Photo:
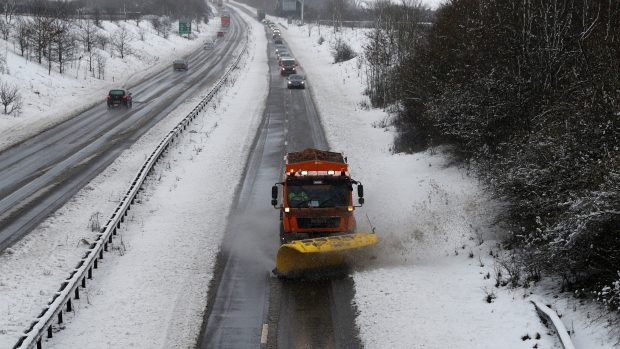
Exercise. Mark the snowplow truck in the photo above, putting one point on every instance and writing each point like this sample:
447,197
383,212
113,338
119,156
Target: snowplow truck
317,224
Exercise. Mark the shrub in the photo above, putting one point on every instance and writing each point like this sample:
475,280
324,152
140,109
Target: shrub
342,52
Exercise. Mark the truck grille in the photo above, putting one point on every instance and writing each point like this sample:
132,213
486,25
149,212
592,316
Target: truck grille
318,222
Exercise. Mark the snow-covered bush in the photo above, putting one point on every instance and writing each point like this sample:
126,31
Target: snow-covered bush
342,52
541,129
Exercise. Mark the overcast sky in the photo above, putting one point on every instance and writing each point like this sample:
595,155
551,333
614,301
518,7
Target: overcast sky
433,3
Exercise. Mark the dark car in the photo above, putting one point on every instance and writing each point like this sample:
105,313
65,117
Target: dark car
288,66
296,81
180,64
119,97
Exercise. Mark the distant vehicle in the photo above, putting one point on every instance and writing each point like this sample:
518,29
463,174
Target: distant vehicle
282,57
276,35
220,33
288,66
277,40
119,97
282,53
225,19
279,47
260,15
296,81
180,64
209,45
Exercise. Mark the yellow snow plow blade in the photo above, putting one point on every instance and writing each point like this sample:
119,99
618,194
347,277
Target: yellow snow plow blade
319,253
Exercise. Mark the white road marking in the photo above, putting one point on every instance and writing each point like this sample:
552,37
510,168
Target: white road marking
263,336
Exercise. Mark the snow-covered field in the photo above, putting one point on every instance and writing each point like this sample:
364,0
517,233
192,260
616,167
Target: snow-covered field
423,290
49,99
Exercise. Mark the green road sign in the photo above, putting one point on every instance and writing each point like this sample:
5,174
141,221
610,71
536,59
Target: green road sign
185,27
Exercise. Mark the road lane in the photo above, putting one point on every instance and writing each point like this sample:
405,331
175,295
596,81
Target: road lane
246,303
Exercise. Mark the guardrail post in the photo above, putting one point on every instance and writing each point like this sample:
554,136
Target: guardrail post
49,332
69,305
90,273
39,344
77,291
83,283
95,263
60,317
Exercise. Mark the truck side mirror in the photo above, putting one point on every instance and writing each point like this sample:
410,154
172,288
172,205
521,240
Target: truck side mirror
274,195
360,194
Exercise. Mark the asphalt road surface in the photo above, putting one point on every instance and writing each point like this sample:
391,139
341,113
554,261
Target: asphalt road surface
248,307
39,175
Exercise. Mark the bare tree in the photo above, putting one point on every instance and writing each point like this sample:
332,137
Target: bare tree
97,16
166,26
142,33
101,60
102,40
88,35
8,9
137,17
22,34
120,41
64,43
5,29
41,34
156,24
10,98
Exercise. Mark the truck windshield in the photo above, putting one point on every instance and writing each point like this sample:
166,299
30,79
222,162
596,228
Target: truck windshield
317,195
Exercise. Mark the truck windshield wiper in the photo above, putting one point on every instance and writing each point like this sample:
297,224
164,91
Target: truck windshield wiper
333,198
302,204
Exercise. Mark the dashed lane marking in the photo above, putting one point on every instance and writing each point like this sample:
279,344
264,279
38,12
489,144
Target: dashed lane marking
263,336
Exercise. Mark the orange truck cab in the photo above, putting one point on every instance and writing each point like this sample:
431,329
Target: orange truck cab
317,196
